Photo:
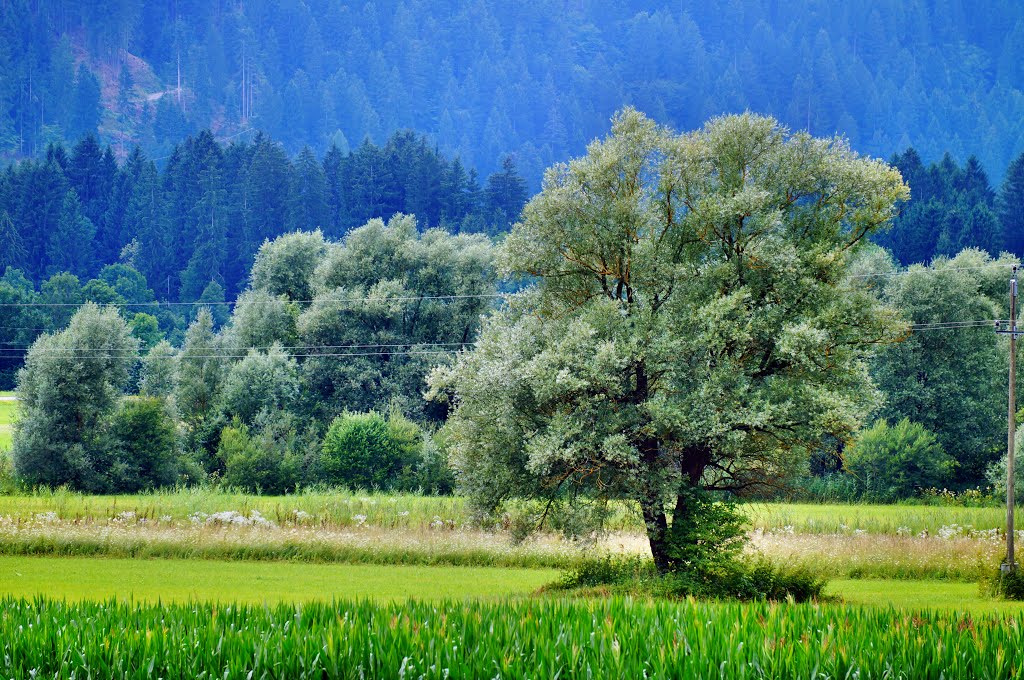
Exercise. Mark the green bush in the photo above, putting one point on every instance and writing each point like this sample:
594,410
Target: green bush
1006,585
740,579
365,450
257,463
895,462
141,447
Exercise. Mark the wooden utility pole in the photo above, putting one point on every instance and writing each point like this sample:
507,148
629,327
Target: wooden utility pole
1011,424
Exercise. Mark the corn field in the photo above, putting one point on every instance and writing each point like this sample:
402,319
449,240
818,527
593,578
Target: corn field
538,638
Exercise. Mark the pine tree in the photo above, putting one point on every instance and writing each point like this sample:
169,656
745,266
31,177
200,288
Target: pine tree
70,247
1011,206
210,249
85,107
335,165
506,195
308,209
12,249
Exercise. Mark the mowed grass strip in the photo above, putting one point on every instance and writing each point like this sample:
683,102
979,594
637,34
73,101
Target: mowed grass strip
252,582
78,579
914,595
536,638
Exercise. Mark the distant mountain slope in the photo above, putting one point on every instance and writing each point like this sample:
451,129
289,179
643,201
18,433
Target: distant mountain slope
538,78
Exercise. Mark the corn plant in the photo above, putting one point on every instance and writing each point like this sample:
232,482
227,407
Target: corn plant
543,638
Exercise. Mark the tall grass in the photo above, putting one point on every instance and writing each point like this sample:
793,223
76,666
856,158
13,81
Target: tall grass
340,508
810,518
519,639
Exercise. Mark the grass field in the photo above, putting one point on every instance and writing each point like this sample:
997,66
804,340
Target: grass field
371,585
809,518
915,595
160,580
532,638
255,582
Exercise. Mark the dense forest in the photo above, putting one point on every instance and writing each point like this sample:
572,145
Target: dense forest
202,218
539,79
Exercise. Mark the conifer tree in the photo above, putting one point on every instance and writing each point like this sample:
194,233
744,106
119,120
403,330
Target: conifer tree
70,247
1011,206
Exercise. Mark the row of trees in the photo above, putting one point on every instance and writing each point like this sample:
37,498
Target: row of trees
948,380
934,75
203,217
324,328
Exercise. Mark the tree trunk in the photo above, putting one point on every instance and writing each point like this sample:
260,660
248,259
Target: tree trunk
652,505
661,536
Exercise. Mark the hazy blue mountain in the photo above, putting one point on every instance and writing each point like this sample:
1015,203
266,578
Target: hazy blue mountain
538,78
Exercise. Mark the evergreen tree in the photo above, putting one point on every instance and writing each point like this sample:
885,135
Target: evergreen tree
267,186
12,249
85,108
335,166
308,209
506,195
1011,206
210,249
69,248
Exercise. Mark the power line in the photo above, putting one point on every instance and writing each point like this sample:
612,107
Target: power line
275,301
924,270
111,355
14,346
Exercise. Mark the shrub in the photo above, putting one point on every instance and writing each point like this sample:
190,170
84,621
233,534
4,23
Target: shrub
996,473
365,450
142,446
1006,585
894,462
257,463
741,579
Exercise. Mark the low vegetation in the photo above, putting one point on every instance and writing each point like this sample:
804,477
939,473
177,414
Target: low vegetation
601,638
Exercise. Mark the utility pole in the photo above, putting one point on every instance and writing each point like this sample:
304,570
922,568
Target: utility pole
1010,564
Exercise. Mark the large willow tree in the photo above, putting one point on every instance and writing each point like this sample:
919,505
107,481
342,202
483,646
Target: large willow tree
692,326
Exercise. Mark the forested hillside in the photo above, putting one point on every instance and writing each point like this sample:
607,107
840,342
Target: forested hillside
485,78
202,217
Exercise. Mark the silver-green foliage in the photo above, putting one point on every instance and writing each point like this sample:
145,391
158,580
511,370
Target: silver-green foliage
70,385
285,265
692,323
262,381
199,379
159,371
390,303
